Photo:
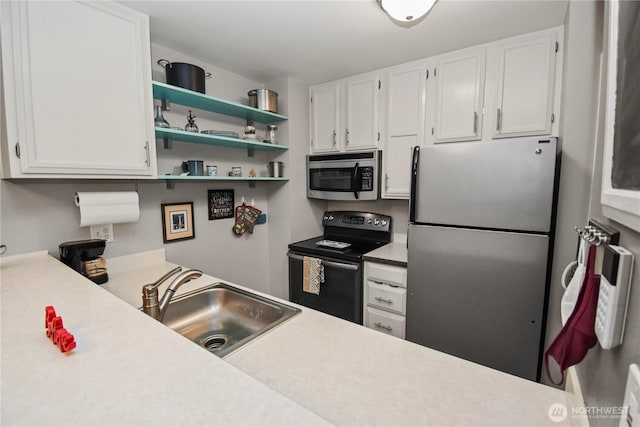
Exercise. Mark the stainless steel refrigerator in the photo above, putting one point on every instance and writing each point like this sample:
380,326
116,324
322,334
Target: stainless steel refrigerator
479,240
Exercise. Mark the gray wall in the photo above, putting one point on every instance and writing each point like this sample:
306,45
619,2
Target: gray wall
603,373
577,130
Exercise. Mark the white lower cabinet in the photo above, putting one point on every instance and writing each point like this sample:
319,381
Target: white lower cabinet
385,322
385,297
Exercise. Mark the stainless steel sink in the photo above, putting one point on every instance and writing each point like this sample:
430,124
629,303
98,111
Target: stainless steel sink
222,318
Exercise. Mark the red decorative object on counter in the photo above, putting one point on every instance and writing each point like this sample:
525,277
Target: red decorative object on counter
56,332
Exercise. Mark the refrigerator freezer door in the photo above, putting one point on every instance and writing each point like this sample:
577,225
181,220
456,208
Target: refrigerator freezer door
478,295
505,184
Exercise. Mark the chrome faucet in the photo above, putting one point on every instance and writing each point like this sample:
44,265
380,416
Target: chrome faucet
150,303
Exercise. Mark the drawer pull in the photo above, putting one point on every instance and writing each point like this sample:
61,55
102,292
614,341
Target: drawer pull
388,301
381,326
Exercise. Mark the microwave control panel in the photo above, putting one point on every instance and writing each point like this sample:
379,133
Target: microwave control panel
366,178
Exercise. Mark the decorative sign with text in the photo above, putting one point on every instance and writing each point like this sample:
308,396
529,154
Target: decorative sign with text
221,204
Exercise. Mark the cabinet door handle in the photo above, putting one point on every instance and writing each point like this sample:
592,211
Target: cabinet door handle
346,136
381,326
386,183
388,301
334,138
499,121
475,122
146,148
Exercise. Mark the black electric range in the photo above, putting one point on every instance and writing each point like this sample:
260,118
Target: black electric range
348,235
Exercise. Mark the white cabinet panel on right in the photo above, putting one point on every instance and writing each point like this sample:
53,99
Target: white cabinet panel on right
522,77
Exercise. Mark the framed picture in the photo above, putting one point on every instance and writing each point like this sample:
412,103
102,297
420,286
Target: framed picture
221,204
177,221
620,196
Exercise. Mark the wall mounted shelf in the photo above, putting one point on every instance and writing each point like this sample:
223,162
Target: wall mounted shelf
198,100
170,135
172,179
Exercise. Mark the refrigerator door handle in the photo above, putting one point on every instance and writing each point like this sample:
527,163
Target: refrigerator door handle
414,182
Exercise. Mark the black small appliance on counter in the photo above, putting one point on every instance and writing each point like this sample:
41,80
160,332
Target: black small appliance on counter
84,257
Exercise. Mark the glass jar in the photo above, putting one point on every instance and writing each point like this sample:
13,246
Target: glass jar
160,121
272,134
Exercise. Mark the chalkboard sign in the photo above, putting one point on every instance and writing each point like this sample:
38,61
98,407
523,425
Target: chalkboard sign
221,204
625,172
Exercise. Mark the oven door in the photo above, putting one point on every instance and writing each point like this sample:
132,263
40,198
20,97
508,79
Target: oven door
340,294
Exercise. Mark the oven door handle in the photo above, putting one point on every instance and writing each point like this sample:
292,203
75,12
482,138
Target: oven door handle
332,264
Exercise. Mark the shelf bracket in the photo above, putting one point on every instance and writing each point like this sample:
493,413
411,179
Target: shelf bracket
166,105
168,143
251,152
252,184
171,185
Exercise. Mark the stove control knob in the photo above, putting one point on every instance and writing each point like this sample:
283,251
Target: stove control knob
376,222
384,222
330,217
325,218
370,221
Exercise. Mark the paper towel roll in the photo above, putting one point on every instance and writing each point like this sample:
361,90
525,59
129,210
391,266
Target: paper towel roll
108,207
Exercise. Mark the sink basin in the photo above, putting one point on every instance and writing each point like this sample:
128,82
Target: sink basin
222,318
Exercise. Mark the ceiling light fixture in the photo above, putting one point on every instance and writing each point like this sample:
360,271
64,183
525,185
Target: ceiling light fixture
406,10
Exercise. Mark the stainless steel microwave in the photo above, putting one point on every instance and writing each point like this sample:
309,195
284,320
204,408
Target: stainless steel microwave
345,176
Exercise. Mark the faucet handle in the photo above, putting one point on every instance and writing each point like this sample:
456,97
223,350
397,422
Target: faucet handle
154,285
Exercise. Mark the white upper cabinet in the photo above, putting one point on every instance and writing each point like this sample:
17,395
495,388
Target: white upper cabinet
459,91
77,91
522,81
403,110
325,117
345,114
361,101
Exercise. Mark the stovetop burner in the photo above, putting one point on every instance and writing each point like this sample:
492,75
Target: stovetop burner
347,235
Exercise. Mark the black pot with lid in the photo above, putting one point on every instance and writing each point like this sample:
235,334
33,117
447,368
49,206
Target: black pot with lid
186,76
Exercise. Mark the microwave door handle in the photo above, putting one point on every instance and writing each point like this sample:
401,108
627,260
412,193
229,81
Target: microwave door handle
355,181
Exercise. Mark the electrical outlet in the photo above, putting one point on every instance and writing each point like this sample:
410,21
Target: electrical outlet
631,399
104,231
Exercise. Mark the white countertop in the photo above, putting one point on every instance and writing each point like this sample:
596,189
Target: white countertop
130,369
127,368
394,253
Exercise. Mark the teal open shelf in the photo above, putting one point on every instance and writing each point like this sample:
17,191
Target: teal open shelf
223,141
219,178
200,101
172,179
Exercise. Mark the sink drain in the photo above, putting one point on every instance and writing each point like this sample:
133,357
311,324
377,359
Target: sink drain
214,342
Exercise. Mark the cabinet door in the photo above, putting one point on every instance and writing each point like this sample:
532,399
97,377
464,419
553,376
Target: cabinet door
524,95
459,82
361,108
404,105
78,90
325,118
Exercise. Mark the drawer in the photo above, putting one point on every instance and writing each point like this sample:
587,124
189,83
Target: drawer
387,273
386,297
385,322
